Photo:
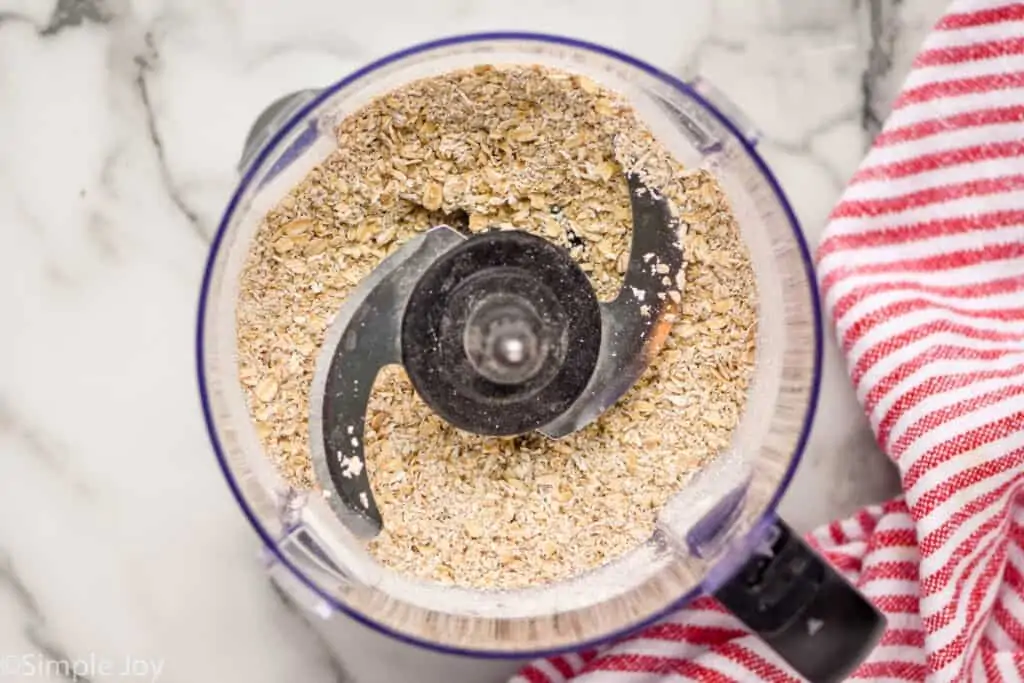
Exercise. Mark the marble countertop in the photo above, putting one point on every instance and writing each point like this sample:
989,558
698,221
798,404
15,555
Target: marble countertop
120,126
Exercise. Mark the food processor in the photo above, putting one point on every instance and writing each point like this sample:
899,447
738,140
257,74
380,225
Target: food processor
501,334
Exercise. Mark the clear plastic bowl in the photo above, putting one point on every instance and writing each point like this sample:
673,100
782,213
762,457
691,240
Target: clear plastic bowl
705,532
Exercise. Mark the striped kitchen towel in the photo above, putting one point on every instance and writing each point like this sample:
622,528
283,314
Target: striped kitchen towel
922,272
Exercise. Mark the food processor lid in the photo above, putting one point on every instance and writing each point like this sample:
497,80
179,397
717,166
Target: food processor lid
501,334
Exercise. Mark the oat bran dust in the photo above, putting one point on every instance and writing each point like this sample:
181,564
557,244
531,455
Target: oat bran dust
517,147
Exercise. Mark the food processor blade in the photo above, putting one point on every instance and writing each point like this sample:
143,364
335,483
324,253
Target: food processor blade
600,349
363,338
636,323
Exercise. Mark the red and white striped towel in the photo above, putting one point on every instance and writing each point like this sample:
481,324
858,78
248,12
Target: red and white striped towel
922,271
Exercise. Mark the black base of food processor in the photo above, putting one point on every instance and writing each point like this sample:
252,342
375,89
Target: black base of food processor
802,608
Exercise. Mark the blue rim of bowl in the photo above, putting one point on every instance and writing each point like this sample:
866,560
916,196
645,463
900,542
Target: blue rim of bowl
767,515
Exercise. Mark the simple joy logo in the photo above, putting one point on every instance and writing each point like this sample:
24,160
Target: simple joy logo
92,667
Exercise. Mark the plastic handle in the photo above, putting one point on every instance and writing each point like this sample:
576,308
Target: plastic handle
269,121
802,608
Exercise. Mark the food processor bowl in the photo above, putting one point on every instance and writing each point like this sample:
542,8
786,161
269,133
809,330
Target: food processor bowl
718,535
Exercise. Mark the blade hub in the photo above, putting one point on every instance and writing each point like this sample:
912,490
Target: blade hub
502,333
505,339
